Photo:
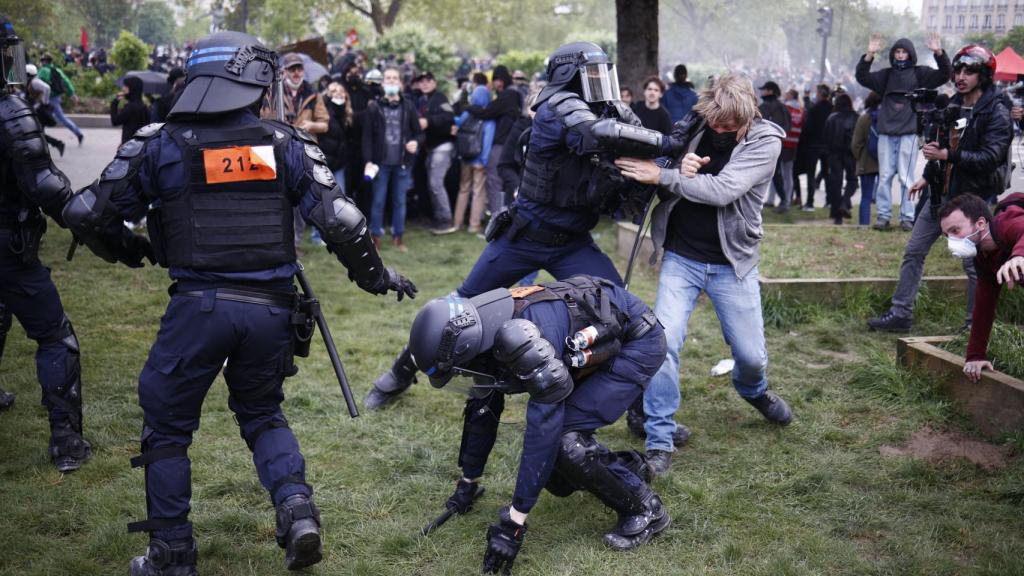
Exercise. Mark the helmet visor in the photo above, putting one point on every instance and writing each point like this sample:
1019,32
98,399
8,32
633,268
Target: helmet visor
12,59
600,82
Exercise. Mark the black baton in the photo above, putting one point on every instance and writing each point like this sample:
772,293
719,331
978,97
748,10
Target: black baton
325,332
448,514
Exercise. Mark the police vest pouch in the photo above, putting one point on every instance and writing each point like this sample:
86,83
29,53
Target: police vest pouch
499,223
303,325
154,226
233,213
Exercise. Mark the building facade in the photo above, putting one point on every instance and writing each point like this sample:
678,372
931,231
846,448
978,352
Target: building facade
959,17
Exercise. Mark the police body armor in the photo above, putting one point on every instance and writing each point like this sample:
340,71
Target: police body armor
233,212
591,312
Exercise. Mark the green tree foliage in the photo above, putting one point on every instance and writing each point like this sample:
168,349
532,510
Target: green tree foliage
104,19
986,39
433,53
156,22
130,53
1014,38
530,62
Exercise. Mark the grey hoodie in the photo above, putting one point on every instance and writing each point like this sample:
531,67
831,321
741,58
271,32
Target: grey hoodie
738,191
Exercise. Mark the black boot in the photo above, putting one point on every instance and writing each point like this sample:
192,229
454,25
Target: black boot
659,461
635,418
298,531
632,531
772,407
68,450
391,384
176,558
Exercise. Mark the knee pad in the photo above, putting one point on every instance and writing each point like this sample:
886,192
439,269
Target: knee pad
577,452
252,437
66,391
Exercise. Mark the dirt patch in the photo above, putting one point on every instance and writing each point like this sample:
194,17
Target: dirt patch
939,446
841,356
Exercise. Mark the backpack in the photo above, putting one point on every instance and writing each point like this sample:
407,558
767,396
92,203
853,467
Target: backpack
469,142
873,135
1015,199
57,84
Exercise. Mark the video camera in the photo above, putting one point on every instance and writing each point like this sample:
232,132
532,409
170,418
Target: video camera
1016,93
935,115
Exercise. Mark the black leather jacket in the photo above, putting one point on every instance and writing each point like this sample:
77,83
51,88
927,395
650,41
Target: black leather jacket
979,160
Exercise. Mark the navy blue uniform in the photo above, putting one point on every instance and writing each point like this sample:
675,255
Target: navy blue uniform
507,259
597,401
199,332
29,185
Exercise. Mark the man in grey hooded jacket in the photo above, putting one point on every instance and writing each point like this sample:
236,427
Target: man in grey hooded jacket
897,123
708,224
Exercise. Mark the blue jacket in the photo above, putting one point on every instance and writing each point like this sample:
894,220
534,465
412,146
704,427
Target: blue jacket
679,100
480,97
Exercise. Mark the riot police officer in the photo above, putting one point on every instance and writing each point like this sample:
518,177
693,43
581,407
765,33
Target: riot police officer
222,185
562,191
31,185
584,350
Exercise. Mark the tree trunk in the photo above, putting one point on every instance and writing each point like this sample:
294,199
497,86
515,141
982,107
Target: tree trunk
636,23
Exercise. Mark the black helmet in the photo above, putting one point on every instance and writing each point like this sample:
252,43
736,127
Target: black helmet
12,55
450,332
597,72
226,71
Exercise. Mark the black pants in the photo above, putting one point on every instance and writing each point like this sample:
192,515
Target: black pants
840,165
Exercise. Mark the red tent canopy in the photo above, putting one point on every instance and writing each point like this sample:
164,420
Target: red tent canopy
1009,65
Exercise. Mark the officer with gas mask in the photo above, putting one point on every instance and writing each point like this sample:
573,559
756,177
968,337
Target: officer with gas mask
974,161
578,118
221,184
584,350
30,185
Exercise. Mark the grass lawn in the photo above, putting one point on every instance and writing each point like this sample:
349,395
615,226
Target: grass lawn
747,498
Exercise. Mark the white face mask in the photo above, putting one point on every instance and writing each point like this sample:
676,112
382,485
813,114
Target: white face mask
338,101
293,84
964,248
391,90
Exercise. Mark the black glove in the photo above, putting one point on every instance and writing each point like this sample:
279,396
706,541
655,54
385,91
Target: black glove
504,540
462,500
136,248
400,284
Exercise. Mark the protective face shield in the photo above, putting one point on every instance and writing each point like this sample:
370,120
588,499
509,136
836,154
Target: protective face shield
964,248
12,56
600,82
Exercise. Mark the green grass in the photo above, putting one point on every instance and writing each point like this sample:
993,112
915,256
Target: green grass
747,498
1005,348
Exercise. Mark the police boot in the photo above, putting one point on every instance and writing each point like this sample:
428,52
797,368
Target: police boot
634,530
390,385
177,558
6,399
68,450
298,531
635,418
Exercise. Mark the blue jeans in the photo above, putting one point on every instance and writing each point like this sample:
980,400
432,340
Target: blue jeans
738,305
397,180
867,196
897,156
58,113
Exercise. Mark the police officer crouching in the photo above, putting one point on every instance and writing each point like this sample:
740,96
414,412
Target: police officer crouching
567,182
222,184
584,350
31,185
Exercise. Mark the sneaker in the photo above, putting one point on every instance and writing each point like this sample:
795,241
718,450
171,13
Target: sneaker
906,226
397,243
890,322
807,209
659,461
772,407
443,230
6,399
882,225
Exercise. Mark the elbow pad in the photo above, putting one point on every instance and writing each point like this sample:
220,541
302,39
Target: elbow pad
85,215
532,359
627,140
343,226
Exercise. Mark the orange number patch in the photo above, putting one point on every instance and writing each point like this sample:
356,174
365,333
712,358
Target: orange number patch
239,164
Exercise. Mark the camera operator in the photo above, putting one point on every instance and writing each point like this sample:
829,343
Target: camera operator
971,162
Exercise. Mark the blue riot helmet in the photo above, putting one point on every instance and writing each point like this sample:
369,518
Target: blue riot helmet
12,56
597,78
226,71
450,333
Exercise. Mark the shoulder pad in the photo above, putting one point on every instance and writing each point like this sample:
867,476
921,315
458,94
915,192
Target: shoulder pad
314,152
148,131
131,148
571,109
13,106
116,170
305,136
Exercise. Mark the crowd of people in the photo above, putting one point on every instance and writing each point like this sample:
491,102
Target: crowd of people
349,148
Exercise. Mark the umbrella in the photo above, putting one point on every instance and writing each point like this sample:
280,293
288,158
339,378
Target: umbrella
152,82
314,70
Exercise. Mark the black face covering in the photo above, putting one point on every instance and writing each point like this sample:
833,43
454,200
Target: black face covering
723,141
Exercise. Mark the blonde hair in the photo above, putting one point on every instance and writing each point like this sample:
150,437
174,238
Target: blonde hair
729,99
